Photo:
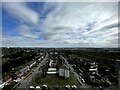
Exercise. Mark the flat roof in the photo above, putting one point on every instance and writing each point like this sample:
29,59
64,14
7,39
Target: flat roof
51,72
52,69
93,69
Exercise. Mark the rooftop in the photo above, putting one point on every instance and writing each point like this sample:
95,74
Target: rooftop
52,69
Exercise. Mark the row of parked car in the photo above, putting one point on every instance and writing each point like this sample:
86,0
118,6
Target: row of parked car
45,87
73,87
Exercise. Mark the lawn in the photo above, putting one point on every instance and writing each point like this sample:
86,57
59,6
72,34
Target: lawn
53,80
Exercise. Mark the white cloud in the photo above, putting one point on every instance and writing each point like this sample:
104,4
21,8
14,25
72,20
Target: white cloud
70,25
18,41
21,12
72,18
26,31
59,1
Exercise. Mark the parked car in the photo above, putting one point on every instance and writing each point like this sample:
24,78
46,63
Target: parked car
32,88
82,80
100,87
74,87
68,87
38,88
45,87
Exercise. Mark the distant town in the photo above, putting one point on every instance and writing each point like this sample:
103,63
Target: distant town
60,68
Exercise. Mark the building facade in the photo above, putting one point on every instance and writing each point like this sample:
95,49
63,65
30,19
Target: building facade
64,72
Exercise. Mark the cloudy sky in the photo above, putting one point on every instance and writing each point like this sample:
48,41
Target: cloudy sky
60,24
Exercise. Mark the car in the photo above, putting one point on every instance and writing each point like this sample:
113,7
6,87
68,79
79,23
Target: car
45,87
79,81
38,88
22,77
68,87
74,87
32,88
107,89
82,80
80,77
100,87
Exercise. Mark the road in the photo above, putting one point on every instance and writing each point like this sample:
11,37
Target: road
25,83
84,85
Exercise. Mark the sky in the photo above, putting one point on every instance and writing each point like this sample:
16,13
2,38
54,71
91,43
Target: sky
60,24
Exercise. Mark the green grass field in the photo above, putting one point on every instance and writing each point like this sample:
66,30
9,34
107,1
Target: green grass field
53,80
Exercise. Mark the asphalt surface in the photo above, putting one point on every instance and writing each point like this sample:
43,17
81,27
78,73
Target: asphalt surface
25,83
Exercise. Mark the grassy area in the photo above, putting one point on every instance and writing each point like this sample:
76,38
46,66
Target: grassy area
53,80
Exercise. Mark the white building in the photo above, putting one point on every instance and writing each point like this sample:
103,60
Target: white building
52,71
64,72
61,72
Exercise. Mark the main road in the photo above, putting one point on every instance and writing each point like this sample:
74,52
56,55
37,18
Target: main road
24,83
84,85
